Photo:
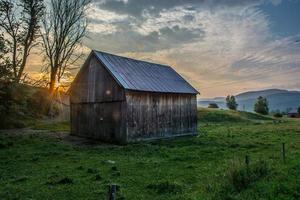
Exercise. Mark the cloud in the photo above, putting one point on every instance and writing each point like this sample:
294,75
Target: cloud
278,54
102,21
137,7
124,33
276,2
169,18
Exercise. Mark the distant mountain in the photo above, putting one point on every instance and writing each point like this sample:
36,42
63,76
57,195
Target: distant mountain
278,100
255,94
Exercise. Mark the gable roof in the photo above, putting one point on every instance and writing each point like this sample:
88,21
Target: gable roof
293,111
139,75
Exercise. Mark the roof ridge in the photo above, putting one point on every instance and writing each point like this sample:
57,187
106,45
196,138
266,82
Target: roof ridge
163,65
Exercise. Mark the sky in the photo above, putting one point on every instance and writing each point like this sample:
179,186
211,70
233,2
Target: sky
220,46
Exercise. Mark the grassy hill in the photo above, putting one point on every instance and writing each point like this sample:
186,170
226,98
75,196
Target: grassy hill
50,164
23,105
228,116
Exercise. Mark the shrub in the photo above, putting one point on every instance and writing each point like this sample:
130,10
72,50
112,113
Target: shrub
114,168
56,180
12,106
239,176
213,105
277,115
98,177
4,145
165,187
41,103
92,171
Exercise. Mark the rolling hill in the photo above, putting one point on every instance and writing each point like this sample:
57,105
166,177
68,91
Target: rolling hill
44,164
278,99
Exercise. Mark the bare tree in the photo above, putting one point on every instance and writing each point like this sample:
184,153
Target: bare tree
10,24
63,30
20,23
5,64
33,11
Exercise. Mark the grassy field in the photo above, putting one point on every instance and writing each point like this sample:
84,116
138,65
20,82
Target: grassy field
48,164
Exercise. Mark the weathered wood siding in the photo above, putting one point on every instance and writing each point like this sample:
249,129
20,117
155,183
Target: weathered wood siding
101,121
160,115
96,104
94,84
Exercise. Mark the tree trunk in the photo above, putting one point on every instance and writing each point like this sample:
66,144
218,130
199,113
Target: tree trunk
52,81
22,66
14,58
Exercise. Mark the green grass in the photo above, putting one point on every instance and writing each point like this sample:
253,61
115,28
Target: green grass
210,166
229,116
50,126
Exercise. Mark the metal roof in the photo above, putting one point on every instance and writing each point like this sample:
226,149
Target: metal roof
144,76
293,111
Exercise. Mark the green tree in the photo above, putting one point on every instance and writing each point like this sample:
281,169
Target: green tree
231,103
299,110
261,106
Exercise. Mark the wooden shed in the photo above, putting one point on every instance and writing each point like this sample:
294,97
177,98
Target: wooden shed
293,114
120,100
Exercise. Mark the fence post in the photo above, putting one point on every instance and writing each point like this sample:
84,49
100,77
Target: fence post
112,190
283,152
247,162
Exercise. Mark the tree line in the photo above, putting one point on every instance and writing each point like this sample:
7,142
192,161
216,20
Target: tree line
261,105
56,30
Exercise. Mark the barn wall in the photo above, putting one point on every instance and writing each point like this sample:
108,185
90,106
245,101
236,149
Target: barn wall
96,104
95,84
102,121
158,115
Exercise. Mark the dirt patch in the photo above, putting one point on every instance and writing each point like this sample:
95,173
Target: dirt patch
23,131
60,136
80,141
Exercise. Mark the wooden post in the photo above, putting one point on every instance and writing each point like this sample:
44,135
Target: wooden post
247,162
112,190
283,152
